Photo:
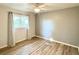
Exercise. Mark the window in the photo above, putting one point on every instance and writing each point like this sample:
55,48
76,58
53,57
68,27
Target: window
20,21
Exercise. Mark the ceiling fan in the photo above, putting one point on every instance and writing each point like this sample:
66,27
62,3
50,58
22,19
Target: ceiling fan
37,7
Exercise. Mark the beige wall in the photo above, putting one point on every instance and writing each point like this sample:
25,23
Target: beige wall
3,28
64,24
4,25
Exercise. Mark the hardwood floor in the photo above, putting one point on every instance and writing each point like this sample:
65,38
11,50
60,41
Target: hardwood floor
38,46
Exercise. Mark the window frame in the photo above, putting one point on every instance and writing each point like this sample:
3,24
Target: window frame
21,15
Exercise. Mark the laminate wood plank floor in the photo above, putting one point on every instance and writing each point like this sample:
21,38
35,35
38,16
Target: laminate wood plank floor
38,46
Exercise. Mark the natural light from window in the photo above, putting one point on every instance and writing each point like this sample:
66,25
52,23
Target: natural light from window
48,29
20,21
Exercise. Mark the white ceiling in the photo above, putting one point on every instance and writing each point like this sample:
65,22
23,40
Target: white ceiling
48,6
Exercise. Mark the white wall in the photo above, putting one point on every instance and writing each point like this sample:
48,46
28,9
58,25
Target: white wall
4,25
31,31
65,25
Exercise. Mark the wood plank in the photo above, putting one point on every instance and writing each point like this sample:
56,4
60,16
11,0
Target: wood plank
38,46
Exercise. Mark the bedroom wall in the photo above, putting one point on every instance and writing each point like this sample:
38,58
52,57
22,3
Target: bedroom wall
3,28
4,24
31,32
61,25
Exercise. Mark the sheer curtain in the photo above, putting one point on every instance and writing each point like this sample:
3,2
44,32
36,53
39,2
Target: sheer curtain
11,41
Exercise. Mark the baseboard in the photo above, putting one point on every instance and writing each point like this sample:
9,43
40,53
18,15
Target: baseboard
3,46
61,42
20,40
24,39
66,44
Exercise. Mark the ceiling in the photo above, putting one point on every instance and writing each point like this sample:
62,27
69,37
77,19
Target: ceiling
48,6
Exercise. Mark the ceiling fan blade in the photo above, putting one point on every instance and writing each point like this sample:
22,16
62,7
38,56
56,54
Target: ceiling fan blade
41,6
44,9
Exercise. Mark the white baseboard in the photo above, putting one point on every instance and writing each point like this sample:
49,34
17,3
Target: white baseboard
3,46
61,42
20,40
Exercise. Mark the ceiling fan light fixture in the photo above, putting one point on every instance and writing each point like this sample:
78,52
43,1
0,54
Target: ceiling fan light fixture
37,10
